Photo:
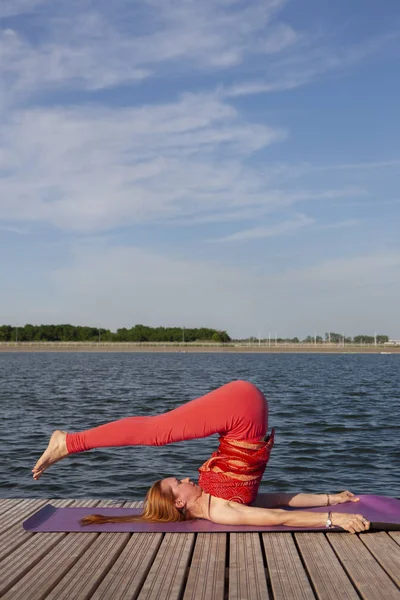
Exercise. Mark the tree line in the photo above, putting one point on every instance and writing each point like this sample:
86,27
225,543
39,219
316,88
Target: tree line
143,333
333,338
138,333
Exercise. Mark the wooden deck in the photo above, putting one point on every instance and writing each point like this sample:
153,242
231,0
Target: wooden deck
155,566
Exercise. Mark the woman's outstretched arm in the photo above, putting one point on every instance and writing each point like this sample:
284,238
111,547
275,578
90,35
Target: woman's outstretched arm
232,513
303,500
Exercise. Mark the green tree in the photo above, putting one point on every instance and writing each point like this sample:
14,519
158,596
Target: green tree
216,337
335,338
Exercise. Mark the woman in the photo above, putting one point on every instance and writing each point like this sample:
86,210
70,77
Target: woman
228,481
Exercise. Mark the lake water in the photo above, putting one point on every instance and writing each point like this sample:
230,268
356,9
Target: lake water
336,419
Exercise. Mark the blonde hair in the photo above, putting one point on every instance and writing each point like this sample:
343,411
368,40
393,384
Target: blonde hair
159,507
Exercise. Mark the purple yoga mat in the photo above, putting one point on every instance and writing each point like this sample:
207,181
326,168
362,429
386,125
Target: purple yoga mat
383,512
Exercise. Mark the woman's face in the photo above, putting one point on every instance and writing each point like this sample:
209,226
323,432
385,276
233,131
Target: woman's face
184,490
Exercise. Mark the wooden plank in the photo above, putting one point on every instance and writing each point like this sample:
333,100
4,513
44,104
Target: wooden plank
19,512
386,552
327,575
247,576
6,503
125,578
86,574
206,579
395,535
371,581
15,536
34,566
8,533
289,579
166,577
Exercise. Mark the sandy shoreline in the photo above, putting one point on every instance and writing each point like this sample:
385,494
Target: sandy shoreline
180,348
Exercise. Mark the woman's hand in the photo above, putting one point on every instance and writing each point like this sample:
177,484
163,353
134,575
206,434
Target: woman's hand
352,523
342,497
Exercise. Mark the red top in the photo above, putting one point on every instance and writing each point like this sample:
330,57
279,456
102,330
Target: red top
235,470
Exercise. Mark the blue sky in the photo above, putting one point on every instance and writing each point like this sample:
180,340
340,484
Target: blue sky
219,163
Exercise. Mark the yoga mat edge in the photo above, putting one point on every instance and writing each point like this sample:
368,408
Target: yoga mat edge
36,520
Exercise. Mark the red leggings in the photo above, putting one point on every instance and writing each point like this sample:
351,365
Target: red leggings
237,411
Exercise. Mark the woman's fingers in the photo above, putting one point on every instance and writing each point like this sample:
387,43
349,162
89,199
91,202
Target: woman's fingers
347,496
360,523
366,523
351,523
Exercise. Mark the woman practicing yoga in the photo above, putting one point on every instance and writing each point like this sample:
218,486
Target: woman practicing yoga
228,481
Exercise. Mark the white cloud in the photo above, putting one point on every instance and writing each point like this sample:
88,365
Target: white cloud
96,168
280,84
382,164
282,228
310,59
89,46
341,224
27,68
12,8
11,229
85,47
93,168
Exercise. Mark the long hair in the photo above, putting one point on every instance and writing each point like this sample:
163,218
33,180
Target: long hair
159,507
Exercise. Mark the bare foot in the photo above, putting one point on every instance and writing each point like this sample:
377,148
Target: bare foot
55,451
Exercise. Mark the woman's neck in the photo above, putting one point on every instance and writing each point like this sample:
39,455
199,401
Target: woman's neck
200,507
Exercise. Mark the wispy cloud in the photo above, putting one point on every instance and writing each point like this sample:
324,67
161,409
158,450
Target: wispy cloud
12,8
305,64
11,229
341,224
81,46
286,227
87,46
92,169
280,84
265,232
372,203
96,168
382,164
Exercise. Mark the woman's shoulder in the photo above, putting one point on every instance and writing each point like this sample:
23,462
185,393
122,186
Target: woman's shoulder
226,512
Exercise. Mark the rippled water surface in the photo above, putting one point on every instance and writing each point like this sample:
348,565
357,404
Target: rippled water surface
336,419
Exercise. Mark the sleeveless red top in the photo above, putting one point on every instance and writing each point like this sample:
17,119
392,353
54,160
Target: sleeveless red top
235,470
